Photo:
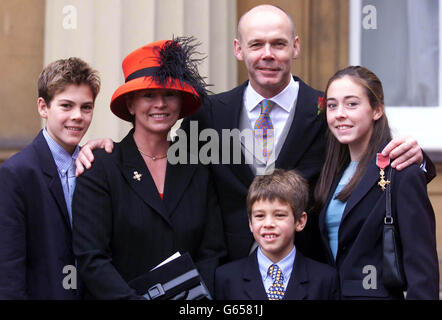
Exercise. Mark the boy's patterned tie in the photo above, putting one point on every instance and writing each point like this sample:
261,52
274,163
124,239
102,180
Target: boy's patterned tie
276,290
264,128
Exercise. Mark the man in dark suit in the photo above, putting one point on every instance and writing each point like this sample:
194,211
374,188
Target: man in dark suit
36,257
267,43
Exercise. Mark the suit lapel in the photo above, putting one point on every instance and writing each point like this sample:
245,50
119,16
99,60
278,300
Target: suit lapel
132,166
369,179
178,178
253,285
49,168
301,134
228,117
322,227
296,289
363,187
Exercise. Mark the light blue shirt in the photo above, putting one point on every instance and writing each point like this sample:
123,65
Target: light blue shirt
66,169
336,208
286,266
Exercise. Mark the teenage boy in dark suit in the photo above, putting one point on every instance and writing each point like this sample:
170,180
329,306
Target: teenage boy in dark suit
37,184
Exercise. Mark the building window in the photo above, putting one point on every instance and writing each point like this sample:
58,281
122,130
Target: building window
400,41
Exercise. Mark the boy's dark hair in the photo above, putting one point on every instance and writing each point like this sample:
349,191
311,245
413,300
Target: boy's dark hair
59,74
283,185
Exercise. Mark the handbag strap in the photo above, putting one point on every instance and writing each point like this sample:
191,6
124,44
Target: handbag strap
159,290
388,216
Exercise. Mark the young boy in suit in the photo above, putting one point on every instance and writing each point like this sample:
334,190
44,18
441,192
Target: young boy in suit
37,184
275,270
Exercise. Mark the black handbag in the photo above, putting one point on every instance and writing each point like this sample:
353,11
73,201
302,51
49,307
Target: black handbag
392,269
178,279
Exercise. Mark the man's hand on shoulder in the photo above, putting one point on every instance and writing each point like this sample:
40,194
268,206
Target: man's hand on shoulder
86,157
404,151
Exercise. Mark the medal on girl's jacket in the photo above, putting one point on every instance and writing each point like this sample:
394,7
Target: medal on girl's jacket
382,162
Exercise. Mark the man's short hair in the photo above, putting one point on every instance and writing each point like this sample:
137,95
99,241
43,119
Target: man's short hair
283,185
59,74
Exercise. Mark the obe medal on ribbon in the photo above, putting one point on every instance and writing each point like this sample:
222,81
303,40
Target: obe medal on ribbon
382,162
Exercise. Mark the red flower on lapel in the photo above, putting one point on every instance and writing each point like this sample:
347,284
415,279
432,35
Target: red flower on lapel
321,104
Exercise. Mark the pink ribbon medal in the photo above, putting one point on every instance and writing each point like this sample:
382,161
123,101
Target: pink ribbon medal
382,162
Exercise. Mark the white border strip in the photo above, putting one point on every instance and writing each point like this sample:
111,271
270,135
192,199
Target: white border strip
355,31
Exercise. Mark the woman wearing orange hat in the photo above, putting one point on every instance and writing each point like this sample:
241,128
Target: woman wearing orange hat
133,209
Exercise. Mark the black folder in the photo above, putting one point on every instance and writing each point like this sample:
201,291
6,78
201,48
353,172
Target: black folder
178,279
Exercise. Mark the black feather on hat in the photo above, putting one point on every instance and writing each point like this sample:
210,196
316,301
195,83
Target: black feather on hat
167,64
176,59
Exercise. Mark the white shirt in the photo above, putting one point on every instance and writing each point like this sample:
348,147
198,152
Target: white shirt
285,101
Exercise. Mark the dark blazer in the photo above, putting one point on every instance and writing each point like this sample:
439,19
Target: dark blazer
360,236
122,228
35,232
309,280
303,150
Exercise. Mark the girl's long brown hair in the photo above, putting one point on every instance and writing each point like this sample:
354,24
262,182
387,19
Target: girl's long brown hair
338,156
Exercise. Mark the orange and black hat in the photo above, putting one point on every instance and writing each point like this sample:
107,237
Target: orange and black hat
165,64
